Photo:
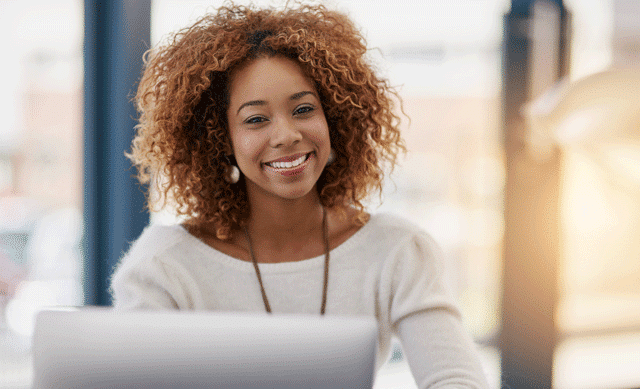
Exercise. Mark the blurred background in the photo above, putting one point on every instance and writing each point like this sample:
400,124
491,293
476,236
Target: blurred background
523,163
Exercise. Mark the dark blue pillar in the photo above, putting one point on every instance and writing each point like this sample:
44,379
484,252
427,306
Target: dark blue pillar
116,35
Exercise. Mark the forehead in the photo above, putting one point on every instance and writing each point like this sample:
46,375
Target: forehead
266,77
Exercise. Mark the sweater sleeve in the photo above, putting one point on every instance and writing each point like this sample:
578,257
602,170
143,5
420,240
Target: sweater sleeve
425,317
440,352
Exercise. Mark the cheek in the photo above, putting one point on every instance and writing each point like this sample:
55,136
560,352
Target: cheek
248,146
321,139
321,133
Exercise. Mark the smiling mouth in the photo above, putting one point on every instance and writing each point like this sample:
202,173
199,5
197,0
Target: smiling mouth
290,164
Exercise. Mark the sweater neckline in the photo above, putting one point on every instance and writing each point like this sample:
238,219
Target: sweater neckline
306,263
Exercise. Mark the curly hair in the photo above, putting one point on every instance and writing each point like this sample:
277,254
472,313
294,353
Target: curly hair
182,138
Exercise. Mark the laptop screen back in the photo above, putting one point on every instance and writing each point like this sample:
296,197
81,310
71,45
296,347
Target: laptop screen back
101,348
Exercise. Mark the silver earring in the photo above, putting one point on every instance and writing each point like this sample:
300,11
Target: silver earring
332,157
233,174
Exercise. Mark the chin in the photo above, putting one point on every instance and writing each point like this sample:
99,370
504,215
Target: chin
294,194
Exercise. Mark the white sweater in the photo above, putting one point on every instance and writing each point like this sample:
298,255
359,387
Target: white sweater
389,269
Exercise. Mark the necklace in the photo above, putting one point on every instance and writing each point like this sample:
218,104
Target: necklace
325,238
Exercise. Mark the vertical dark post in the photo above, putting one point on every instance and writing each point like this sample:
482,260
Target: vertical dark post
535,56
116,35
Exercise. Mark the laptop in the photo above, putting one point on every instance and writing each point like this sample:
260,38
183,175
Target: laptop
101,348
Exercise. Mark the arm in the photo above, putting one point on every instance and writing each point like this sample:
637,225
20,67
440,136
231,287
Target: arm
440,352
424,315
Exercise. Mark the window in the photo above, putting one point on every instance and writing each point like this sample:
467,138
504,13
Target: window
597,316
40,171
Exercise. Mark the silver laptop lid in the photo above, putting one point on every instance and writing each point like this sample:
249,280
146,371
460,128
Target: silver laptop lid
100,348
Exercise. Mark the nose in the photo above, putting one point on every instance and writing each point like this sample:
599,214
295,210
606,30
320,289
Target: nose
285,133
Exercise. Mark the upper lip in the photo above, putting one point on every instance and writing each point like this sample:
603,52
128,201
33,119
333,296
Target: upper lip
288,158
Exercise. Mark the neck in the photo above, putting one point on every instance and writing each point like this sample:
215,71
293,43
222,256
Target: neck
281,222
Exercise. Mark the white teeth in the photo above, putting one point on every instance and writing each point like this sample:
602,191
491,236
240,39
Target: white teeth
288,165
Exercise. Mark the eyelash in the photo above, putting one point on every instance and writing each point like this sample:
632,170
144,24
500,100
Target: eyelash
259,119
252,119
308,108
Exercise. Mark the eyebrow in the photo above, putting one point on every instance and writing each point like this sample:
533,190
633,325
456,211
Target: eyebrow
295,96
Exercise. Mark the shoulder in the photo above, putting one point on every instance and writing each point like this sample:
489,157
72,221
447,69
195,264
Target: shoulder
413,268
159,238
144,277
154,241
391,237
390,227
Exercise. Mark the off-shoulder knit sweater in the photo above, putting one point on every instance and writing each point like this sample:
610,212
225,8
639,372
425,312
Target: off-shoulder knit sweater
389,270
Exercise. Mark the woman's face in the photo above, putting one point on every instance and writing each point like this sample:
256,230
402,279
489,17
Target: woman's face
278,130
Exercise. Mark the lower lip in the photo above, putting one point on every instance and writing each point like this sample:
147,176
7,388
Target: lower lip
292,171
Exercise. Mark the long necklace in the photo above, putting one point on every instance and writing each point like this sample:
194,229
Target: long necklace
325,237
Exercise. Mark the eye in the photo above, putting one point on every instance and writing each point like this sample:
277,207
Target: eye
255,120
303,110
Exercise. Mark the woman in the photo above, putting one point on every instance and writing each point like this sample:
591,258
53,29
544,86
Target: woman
268,128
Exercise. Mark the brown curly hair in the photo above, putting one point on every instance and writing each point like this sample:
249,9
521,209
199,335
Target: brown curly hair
182,138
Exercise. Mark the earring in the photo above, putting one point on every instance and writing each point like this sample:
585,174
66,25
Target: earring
233,174
332,157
